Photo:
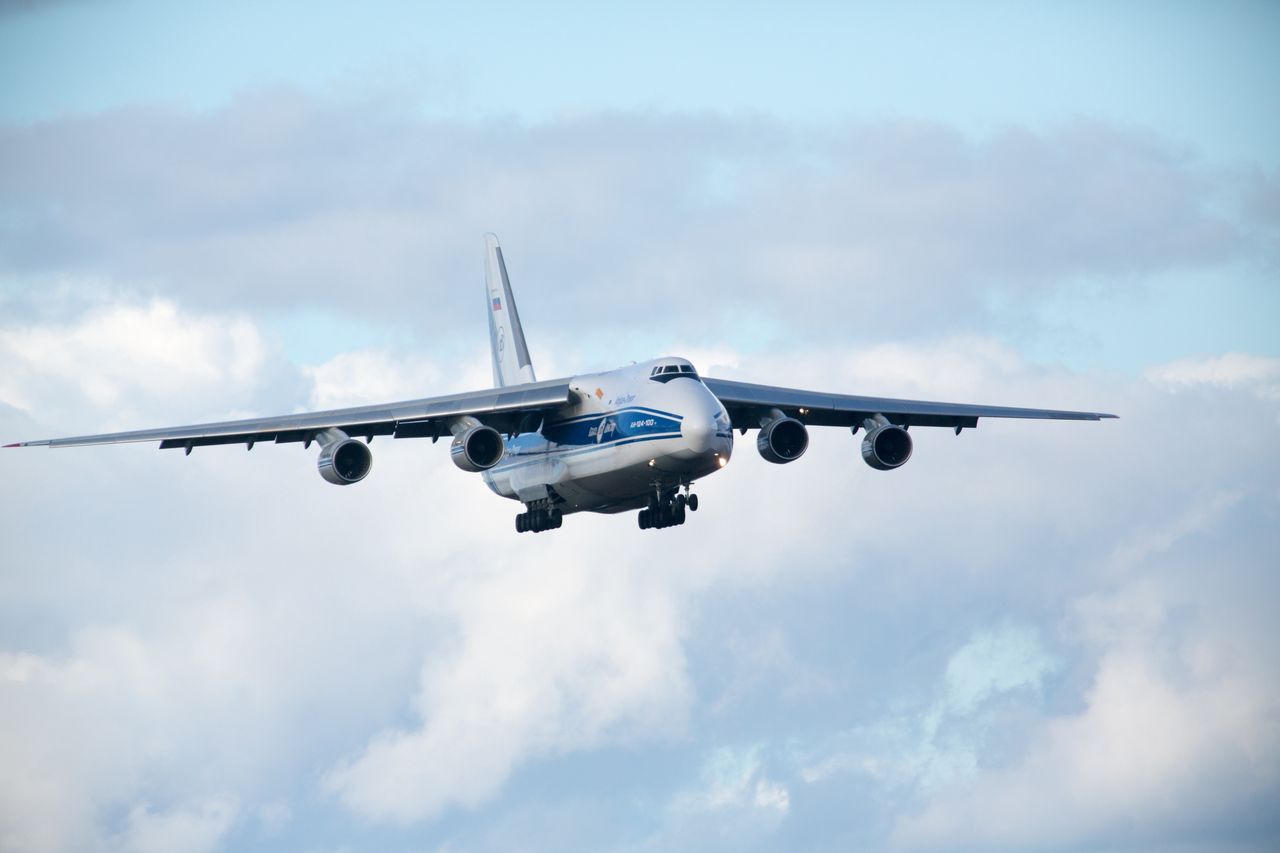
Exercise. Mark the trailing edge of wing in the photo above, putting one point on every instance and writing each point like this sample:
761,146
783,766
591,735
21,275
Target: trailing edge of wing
501,408
747,402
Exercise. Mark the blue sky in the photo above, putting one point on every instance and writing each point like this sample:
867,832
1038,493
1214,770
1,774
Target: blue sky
1196,75
1048,636
1198,80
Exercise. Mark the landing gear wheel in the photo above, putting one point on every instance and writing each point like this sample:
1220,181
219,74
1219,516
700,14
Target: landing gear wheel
538,519
667,508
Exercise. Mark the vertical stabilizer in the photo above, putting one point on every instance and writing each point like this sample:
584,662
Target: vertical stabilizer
511,362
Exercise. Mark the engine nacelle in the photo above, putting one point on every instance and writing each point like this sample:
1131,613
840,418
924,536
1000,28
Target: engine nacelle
782,439
343,460
477,448
886,446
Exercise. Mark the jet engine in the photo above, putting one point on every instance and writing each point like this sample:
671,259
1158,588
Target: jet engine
476,447
343,460
886,446
781,439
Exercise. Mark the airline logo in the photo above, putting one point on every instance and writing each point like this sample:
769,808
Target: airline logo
497,304
625,426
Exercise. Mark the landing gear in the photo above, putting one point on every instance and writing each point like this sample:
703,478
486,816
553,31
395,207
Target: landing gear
537,519
667,509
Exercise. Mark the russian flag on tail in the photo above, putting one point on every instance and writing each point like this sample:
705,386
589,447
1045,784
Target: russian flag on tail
497,304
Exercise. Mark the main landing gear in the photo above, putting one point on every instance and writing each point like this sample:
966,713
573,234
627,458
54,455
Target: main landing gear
667,509
537,519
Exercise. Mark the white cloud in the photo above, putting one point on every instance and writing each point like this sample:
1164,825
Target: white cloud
274,817
1146,542
197,649
223,598
995,661
543,662
879,228
1256,373
374,376
733,783
930,745
1152,754
1179,727
764,660
710,360
95,723
199,828
115,365
733,803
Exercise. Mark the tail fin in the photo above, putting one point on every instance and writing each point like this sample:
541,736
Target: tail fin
511,362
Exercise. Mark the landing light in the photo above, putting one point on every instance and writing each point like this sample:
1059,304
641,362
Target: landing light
652,462
722,461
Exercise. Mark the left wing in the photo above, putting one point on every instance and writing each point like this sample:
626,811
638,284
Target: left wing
747,404
504,409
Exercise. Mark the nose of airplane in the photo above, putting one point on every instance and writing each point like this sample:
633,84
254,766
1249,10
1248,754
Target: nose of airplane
705,426
699,429
704,429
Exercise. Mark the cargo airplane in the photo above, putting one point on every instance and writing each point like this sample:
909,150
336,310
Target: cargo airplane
635,438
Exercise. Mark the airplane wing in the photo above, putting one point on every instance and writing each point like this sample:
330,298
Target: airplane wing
747,404
504,409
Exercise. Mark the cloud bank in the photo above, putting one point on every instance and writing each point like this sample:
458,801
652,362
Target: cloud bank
1092,686
1035,635
283,203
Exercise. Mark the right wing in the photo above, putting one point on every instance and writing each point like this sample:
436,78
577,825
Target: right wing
504,409
746,403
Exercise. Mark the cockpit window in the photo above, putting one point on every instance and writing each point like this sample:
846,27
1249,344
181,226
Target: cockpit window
666,372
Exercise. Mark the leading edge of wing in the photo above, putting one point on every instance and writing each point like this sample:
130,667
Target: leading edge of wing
379,419
846,409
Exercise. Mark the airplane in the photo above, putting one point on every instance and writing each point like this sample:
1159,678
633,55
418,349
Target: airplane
634,438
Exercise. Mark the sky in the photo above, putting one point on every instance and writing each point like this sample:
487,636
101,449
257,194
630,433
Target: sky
1049,636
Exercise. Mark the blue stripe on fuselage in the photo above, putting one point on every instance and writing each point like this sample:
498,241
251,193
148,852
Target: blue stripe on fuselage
517,460
598,415
620,426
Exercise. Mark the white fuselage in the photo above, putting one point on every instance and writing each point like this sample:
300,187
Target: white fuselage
629,433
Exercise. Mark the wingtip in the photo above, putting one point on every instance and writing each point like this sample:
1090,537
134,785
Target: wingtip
15,444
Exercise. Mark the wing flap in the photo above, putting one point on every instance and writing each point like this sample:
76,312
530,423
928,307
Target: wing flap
502,408
746,403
